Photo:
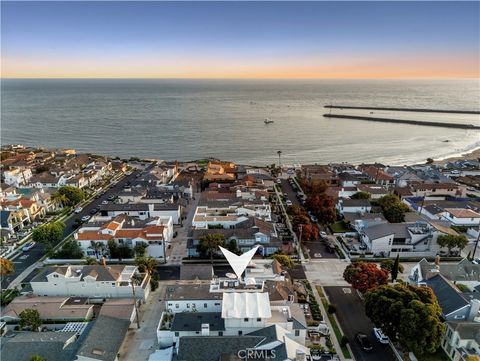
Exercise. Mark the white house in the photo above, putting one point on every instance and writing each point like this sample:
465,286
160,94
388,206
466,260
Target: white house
18,176
353,206
192,298
461,339
91,281
143,210
124,230
462,216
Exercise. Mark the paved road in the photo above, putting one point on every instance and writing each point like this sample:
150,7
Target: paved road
291,194
25,260
351,315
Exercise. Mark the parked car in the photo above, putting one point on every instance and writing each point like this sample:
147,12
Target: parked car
279,181
85,218
313,219
111,198
104,202
380,336
362,247
323,234
363,341
78,209
94,210
27,247
288,202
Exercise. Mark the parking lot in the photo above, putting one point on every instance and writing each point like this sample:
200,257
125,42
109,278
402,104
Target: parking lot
318,249
351,315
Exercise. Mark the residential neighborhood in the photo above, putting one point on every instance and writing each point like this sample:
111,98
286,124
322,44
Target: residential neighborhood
125,259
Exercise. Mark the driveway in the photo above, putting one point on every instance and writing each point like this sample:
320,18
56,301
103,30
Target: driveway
351,315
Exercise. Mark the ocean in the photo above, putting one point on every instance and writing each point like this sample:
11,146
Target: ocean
192,119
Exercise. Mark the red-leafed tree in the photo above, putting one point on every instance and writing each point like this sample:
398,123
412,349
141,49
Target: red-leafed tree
323,207
365,276
309,232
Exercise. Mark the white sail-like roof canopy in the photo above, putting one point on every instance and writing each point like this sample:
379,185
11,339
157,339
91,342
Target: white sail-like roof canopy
246,305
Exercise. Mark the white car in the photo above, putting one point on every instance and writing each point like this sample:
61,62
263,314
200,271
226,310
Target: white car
380,336
27,247
288,202
85,218
279,181
104,202
323,234
78,209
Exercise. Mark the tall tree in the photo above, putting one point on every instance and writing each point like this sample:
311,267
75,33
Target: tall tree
146,264
69,196
233,246
209,244
451,241
323,207
49,234
97,247
394,271
361,195
408,314
30,318
284,260
364,276
310,232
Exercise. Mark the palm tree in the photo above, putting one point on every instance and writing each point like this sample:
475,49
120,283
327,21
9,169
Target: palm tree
147,264
279,152
209,244
6,268
98,247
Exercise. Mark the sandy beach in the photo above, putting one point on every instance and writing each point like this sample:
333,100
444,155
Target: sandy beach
474,154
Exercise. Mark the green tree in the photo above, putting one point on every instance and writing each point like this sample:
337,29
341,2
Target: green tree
89,261
69,196
37,358
30,318
390,265
393,209
146,264
112,248
365,276
233,246
49,234
98,247
451,241
408,314
361,195
284,260
209,244
70,250
140,249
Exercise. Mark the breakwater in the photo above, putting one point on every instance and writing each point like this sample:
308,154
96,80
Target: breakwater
421,110
406,121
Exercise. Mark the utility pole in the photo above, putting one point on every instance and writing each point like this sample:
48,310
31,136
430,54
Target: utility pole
300,234
135,303
476,244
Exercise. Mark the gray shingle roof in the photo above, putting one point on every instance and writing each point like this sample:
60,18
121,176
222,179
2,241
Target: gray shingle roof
105,338
385,229
49,345
192,321
211,348
449,299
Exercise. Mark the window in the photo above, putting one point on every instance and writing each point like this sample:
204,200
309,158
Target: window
197,332
204,305
56,276
177,305
245,319
217,303
259,319
176,334
240,333
188,305
220,333
297,332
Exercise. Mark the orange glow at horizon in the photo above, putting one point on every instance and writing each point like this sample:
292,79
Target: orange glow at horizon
309,68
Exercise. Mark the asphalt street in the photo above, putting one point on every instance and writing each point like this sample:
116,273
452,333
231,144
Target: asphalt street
26,259
351,315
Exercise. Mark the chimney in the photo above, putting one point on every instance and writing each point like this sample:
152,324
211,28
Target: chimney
474,309
104,262
300,356
205,329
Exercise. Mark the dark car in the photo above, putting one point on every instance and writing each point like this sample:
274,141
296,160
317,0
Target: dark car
94,210
363,341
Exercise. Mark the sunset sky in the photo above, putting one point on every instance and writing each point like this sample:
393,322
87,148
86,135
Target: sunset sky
240,40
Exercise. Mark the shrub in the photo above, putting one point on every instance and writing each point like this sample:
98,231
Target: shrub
343,341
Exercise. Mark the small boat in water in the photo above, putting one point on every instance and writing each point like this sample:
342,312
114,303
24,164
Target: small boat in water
268,121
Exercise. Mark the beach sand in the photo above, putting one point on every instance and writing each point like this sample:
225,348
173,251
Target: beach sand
475,154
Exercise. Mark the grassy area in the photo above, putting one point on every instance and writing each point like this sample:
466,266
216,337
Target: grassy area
440,355
336,329
339,227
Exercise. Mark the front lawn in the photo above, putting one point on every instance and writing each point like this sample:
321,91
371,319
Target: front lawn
339,227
